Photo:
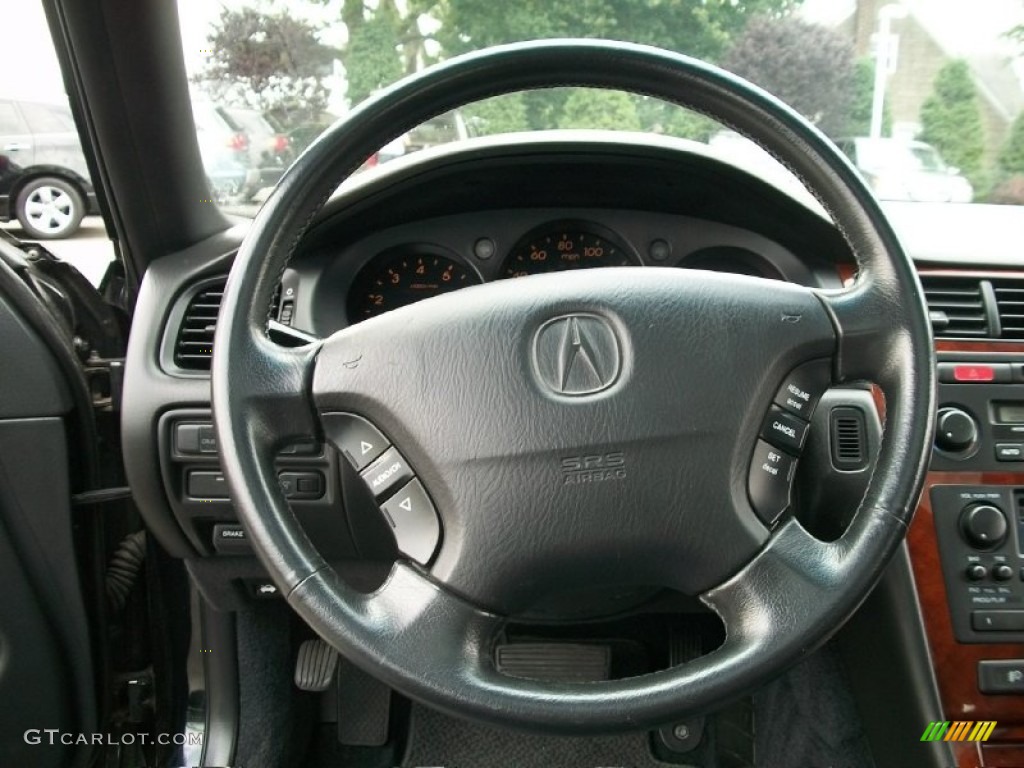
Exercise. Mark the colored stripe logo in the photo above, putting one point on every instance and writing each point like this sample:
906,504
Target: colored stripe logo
959,730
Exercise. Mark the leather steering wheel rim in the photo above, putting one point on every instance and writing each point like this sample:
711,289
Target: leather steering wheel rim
425,638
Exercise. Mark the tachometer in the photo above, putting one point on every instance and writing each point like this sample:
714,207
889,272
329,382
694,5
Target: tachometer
404,276
558,247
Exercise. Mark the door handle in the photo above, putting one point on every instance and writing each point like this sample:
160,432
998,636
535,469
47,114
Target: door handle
16,146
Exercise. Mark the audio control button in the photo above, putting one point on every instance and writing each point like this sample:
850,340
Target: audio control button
414,522
976,572
1002,572
358,440
983,525
387,473
997,621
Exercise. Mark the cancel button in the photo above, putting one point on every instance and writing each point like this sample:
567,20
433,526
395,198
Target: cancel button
784,430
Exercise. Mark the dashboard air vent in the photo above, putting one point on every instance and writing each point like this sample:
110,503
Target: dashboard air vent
193,349
1010,303
957,306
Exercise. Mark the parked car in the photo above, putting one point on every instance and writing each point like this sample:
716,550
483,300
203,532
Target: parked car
899,169
44,181
267,149
223,148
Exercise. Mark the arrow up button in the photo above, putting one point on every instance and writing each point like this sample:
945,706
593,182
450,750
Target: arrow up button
359,441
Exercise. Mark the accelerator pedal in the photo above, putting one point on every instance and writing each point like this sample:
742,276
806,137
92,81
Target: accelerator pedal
555,662
364,707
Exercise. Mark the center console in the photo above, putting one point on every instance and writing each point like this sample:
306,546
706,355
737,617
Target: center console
967,545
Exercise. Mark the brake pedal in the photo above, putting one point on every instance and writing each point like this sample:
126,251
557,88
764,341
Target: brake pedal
315,665
555,662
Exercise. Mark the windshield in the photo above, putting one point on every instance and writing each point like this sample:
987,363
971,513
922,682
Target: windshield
926,96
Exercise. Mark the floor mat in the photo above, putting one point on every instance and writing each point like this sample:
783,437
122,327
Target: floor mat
438,740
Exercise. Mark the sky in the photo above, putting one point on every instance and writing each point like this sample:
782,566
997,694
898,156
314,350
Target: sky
28,67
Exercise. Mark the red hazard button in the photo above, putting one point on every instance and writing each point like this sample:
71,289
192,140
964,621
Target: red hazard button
974,373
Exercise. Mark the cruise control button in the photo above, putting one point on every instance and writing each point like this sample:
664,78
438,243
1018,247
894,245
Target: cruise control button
207,439
355,437
784,430
414,522
803,387
387,473
770,482
186,438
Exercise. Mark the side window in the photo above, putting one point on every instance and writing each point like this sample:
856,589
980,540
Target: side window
10,121
45,118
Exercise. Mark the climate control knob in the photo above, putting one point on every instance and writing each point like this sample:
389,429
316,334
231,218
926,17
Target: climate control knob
955,430
983,525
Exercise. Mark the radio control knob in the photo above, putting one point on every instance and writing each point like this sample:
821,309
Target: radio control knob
976,572
955,430
1002,572
983,525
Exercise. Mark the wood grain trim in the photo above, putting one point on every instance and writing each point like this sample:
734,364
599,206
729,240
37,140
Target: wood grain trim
955,345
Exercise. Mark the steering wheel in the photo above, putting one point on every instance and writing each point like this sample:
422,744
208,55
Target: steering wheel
495,399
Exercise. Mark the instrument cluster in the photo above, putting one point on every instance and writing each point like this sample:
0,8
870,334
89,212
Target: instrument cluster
406,273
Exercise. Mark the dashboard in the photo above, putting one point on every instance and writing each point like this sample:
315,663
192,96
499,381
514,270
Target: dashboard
442,222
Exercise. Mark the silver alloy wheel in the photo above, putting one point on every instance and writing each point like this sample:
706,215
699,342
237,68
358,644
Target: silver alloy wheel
50,209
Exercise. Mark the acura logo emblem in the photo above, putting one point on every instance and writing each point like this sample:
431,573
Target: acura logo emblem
577,354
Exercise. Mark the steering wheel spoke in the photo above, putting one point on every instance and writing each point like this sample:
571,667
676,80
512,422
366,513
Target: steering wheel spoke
276,402
869,329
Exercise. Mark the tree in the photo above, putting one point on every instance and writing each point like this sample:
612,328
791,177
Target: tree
859,121
599,109
701,29
268,61
951,119
1011,159
372,60
808,66
384,42
500,114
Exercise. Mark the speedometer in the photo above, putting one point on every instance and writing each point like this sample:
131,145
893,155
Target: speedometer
404,276
557,247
